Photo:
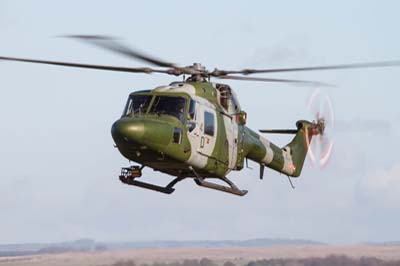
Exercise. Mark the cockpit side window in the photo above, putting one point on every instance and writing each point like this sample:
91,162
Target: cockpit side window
137,105
192,109
169,105
191,123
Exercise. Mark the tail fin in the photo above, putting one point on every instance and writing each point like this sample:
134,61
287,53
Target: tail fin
300,144
290,159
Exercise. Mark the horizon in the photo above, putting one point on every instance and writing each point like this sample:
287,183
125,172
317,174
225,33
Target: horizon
317,242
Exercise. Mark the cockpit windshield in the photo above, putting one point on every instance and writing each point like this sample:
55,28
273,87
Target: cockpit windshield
169,105
137,105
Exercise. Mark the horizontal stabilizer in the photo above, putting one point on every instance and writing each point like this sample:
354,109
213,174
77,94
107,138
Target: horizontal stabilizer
279,131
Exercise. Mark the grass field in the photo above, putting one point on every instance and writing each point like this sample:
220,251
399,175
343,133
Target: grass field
239,256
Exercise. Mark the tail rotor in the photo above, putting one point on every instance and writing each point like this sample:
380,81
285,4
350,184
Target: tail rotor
321,146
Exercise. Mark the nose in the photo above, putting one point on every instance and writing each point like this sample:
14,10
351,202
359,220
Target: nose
126,130
141,131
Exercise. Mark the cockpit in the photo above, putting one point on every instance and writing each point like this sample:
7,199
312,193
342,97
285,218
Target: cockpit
169,105
138,105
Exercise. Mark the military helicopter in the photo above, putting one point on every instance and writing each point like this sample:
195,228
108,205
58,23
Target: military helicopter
196,128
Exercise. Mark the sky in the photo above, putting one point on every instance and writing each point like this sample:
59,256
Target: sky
59,169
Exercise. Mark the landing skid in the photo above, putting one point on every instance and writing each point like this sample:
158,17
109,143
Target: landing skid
128,176
233,189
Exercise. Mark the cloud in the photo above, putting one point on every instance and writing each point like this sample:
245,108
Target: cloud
359,144
381,187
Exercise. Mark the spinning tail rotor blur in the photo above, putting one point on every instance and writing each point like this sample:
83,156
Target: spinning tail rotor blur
321,146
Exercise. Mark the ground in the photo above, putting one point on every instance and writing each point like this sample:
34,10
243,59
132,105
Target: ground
235,254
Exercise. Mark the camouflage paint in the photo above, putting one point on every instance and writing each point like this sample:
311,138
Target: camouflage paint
148,139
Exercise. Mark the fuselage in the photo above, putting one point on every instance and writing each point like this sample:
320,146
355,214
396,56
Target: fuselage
193,124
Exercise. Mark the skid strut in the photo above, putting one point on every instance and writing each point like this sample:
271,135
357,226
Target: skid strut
233,189
129,174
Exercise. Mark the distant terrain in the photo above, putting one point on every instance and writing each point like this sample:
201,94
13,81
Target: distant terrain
259,252
85,245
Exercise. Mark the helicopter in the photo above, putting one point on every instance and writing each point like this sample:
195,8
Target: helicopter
196,128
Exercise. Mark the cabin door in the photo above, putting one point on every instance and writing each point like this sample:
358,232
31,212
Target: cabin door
232,139
202,132
208,130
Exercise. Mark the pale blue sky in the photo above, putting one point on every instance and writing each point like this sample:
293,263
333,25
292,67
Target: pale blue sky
59,168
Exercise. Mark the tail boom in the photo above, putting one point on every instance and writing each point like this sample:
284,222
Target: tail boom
288,160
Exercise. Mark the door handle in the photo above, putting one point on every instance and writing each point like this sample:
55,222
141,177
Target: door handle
202,142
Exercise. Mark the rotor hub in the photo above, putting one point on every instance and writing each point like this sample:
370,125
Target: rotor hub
320,126
198,73
198,67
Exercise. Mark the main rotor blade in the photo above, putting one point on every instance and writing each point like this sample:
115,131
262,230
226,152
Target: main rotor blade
111,44
89,66
290,81
218,72
279,131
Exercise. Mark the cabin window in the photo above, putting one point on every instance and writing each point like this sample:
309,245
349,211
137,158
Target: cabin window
192,109
209,123
177,138
137,105
191,124
169,105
